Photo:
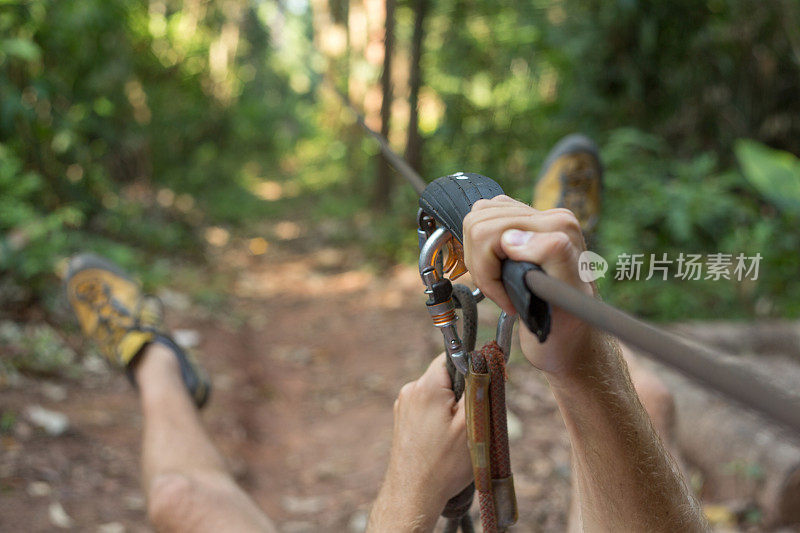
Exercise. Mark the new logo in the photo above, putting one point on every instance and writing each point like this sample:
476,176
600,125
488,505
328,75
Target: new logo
591,266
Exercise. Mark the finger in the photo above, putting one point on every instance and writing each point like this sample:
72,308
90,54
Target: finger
485,267
483,251
491,230
554,252
483,212
436,376
494,221
501,199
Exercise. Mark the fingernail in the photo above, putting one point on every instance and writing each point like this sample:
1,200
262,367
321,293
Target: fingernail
515,237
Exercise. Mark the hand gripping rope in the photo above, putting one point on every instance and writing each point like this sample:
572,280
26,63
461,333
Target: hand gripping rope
444,204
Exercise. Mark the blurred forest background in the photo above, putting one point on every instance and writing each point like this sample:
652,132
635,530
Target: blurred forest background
200,144
153,131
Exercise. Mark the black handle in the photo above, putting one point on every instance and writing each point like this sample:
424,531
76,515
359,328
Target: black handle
533,311
448,199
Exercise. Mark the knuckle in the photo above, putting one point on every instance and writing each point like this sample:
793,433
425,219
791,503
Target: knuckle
469,219
566,220
468,222
405,391
471,225
483,203
559,244
480,232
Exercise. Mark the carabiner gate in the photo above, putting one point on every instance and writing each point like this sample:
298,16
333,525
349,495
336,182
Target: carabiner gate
432,270
440,296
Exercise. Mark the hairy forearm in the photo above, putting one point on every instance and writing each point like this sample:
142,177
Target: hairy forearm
625,479
399,509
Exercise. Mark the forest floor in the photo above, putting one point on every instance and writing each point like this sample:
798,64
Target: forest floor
306,353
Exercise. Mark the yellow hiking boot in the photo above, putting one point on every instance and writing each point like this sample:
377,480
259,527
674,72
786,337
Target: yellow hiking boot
115,314
572,177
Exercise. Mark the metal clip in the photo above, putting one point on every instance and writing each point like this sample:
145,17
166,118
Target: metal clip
505,329
440,302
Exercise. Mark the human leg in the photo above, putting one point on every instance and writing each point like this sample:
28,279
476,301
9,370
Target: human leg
187,485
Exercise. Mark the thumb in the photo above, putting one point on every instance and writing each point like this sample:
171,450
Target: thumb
553,251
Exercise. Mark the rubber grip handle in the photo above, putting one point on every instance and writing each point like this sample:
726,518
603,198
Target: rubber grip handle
448,199
533,311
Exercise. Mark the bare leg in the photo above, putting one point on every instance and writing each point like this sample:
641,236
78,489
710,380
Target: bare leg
187,485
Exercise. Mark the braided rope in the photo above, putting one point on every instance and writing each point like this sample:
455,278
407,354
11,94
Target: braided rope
488,514
500,457
483,479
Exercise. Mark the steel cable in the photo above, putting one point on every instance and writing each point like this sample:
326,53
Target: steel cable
694,360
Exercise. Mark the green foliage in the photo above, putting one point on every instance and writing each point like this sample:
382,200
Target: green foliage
774,173
127,127
7,421
700,74
118,133
35,349
512,78
655,204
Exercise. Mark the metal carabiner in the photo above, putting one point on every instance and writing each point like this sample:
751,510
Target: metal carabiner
505,329
440,297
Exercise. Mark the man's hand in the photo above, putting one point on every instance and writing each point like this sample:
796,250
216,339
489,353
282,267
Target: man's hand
503,228
429,461
613,441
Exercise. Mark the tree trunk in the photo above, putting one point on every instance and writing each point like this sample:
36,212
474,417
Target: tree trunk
383,189
773,337
414,142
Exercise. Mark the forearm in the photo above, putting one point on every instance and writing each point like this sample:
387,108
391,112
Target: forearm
397,509
625,479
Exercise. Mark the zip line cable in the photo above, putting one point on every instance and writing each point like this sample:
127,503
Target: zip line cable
398,162
690,358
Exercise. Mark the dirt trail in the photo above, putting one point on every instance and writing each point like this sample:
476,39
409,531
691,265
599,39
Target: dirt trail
306,359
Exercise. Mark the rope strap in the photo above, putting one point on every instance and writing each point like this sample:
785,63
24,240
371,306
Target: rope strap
487,434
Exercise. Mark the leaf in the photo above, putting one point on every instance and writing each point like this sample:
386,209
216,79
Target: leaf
774,173
24,49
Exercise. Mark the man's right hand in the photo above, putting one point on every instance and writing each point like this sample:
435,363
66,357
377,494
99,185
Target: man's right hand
611,436
503,228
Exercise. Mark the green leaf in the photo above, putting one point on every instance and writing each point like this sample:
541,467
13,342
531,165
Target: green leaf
24,49
774,173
